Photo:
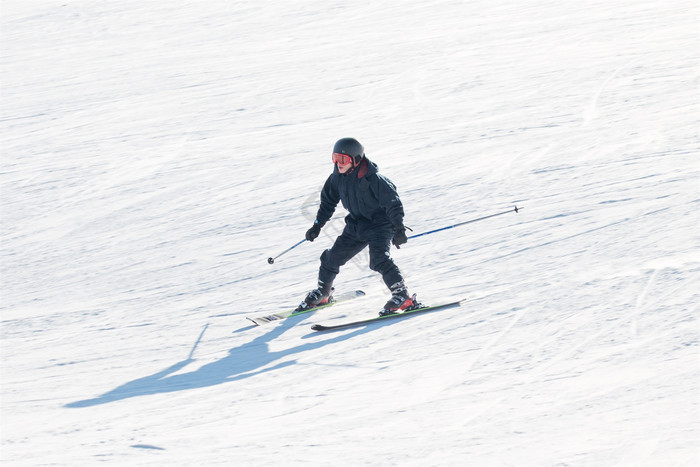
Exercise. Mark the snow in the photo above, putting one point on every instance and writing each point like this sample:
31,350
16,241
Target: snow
155,154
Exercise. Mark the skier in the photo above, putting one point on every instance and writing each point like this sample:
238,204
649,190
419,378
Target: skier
375,220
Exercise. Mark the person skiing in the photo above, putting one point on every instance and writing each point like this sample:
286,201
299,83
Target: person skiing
375,219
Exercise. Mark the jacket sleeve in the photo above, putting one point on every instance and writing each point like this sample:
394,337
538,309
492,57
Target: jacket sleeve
389,200
329,200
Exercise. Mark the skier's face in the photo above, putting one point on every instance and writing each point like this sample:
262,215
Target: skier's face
344,168
343,161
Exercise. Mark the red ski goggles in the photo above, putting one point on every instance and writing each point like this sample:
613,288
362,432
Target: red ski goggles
342,159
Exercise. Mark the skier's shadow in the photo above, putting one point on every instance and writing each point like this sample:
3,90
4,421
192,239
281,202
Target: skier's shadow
242,362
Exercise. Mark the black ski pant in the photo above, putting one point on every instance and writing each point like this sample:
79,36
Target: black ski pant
355,237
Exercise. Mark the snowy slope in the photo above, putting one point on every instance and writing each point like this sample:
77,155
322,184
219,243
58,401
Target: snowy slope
154,154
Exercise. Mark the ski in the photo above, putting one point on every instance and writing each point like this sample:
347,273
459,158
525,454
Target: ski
343,297
405,314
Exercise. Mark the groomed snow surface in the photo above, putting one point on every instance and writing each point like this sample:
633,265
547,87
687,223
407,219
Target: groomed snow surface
156,153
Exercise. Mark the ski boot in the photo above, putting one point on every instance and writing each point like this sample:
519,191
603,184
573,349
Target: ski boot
316,298
400,300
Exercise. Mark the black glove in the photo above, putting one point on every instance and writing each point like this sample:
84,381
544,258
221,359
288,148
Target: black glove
313,232
399,236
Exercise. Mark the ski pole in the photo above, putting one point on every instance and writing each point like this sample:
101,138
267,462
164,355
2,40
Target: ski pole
466,222
271,260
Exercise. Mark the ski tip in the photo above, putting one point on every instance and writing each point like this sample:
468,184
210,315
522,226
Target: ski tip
360,293
252,321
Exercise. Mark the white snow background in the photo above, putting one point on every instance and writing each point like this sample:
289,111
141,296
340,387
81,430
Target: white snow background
156,153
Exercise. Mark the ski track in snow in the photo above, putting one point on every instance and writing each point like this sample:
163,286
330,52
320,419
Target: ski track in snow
154,155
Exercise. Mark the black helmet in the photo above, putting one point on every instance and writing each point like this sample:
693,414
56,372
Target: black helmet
350,147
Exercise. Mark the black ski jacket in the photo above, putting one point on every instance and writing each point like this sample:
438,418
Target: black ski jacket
368,196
